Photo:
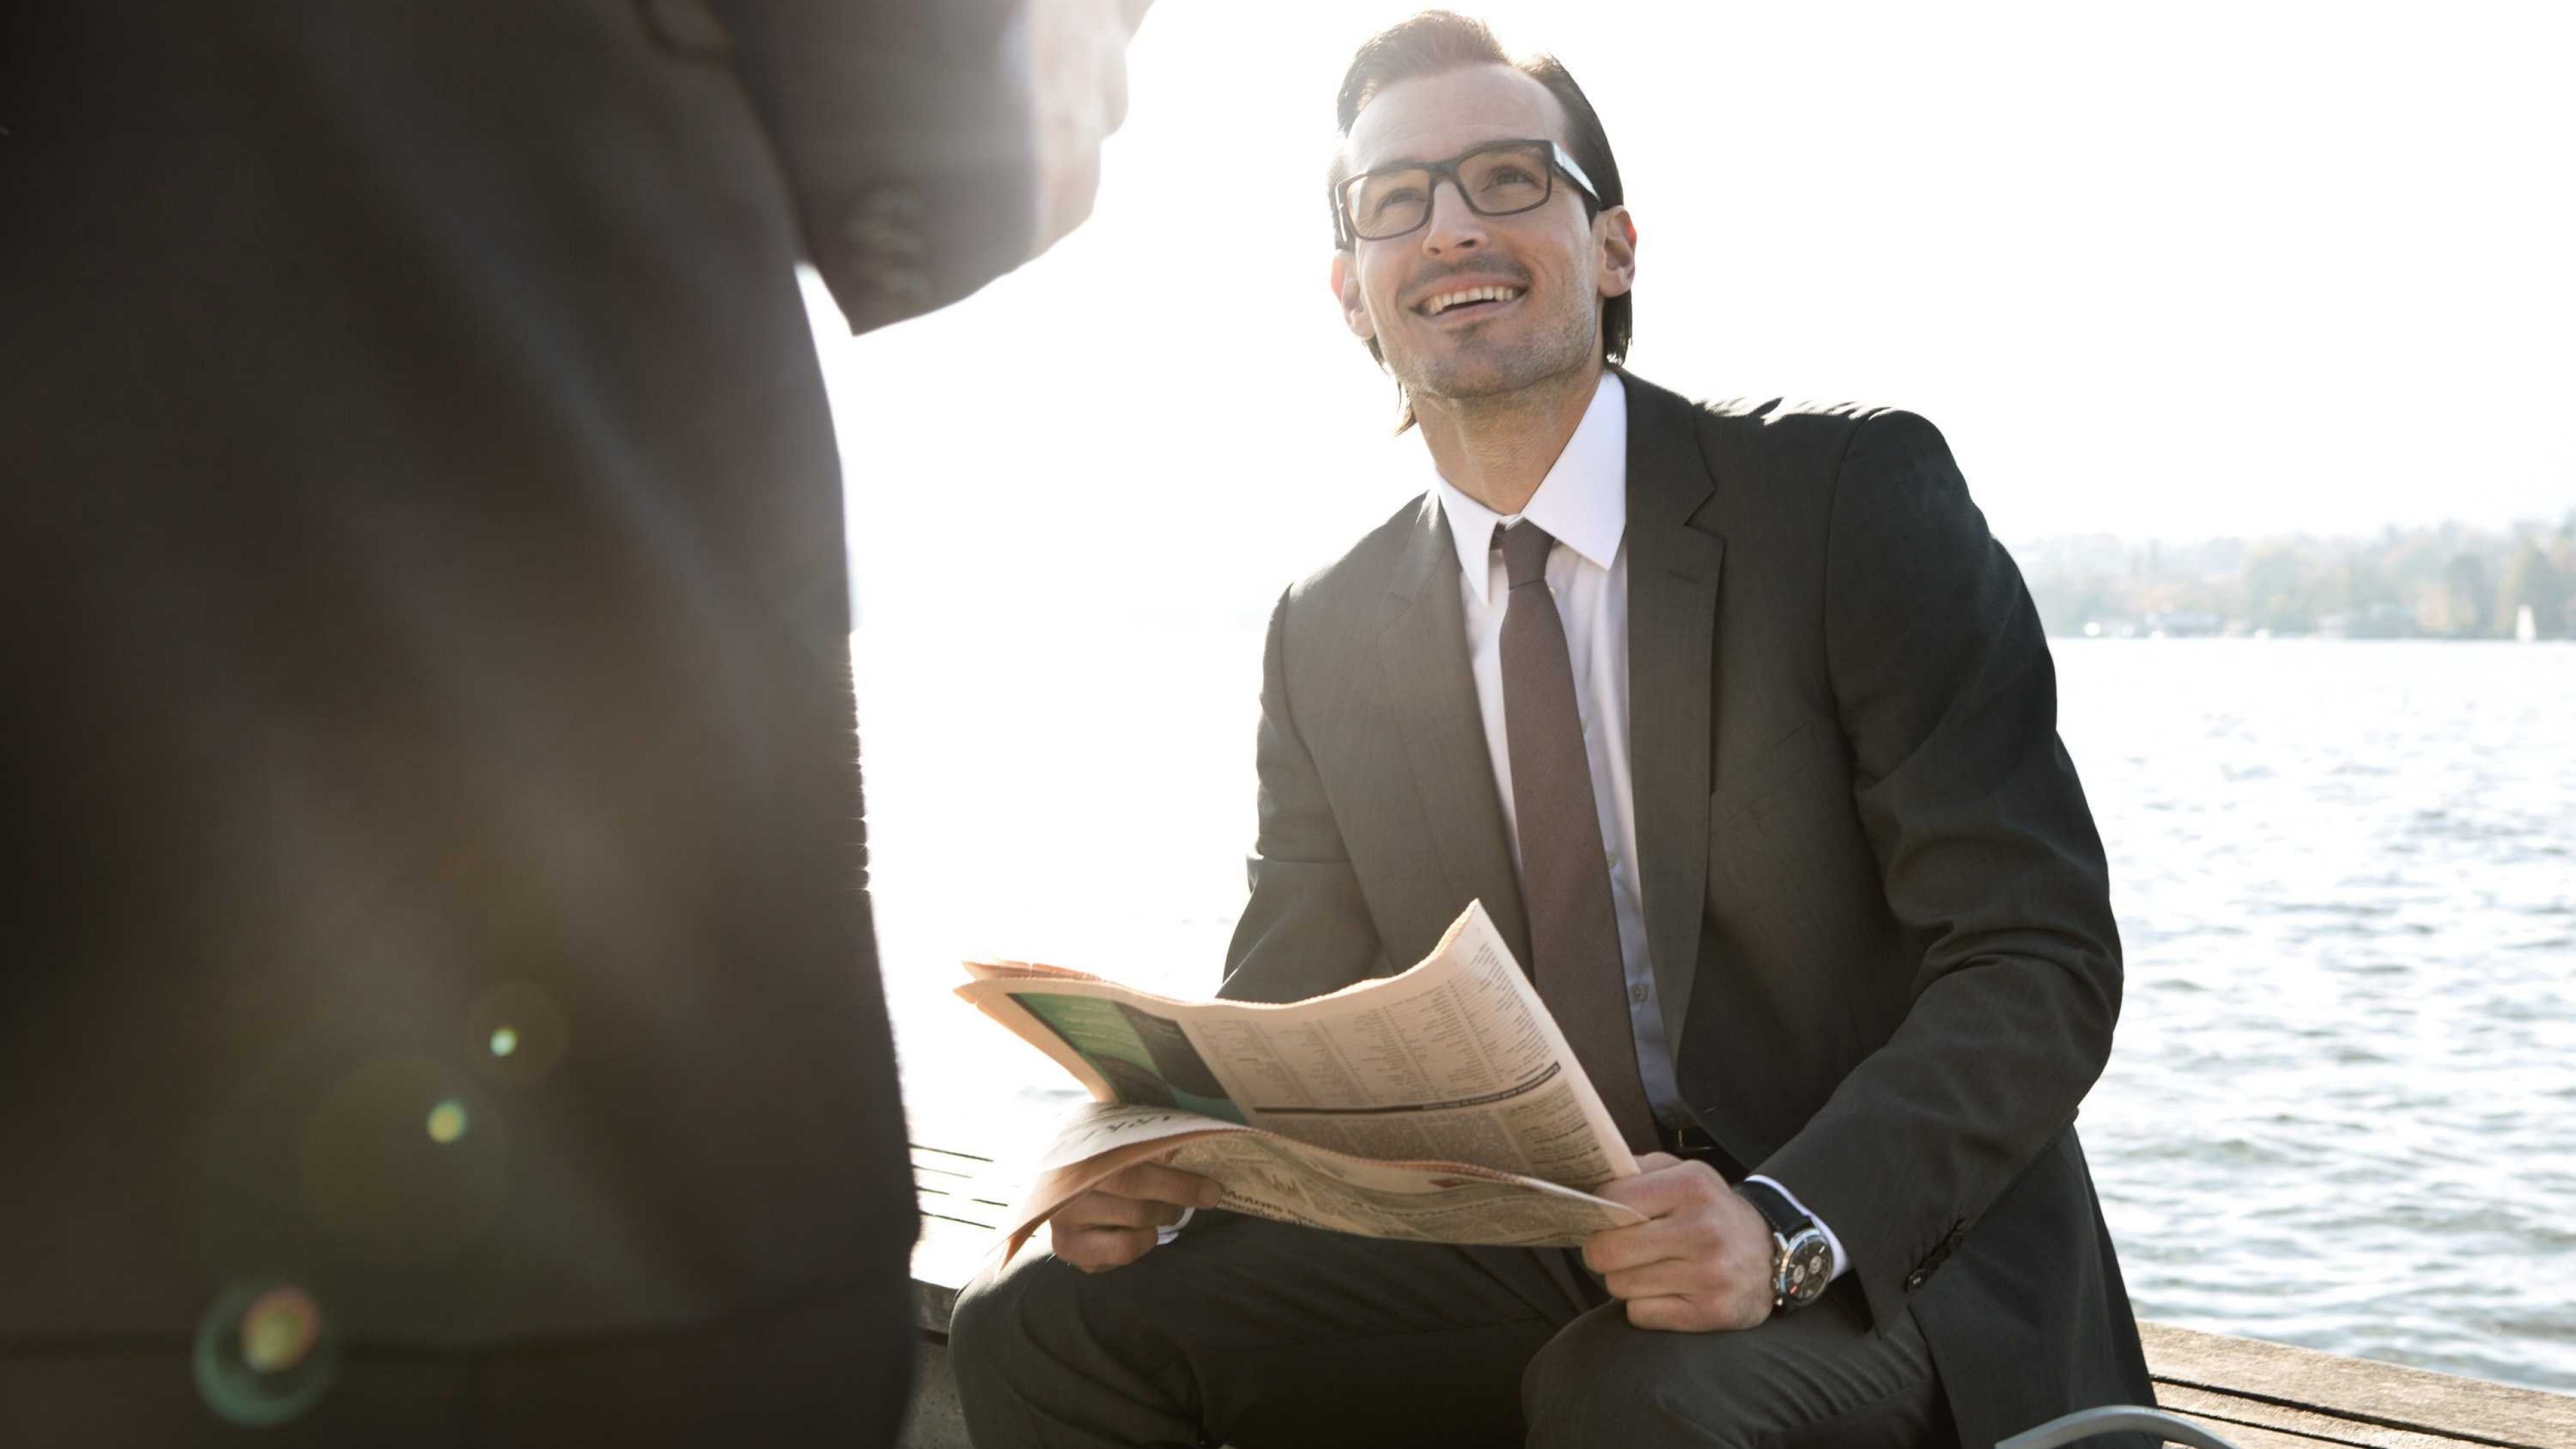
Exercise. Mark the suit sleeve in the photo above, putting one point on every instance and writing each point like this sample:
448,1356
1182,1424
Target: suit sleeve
1307,929
1991,863
905,136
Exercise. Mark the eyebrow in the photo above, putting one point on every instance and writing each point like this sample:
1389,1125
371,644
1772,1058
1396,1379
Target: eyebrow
1452,156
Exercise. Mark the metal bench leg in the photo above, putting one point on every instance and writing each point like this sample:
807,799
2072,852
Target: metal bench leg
2114,1419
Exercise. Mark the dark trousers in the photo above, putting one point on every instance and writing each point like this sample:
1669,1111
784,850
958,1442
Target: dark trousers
1261,1335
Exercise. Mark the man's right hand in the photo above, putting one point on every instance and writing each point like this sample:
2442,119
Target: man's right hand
1078,90
1113,1224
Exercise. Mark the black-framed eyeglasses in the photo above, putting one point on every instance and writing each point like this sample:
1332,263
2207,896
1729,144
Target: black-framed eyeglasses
1501,178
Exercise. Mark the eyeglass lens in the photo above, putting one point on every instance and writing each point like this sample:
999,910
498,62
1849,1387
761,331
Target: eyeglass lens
1497,181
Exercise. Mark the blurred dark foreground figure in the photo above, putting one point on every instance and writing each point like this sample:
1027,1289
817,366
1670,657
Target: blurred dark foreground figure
440,1005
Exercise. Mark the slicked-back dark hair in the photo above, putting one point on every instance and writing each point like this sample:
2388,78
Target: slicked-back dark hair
1437,41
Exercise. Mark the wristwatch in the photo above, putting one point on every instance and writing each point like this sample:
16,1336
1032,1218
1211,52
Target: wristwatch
1802,1261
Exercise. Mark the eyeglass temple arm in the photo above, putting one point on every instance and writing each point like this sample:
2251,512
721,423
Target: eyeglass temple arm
1573,172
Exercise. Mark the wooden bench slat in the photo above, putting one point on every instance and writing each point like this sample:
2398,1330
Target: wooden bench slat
2255,1436
948,1254
2390,1396
2228,1412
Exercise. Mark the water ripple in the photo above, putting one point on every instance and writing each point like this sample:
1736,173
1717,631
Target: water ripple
2369,1080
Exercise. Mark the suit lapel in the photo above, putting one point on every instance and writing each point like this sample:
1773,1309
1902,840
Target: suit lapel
1423,654
1672,662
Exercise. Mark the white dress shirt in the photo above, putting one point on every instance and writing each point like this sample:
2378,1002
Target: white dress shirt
1583,505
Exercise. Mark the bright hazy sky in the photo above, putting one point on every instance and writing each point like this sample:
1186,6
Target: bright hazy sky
2173,270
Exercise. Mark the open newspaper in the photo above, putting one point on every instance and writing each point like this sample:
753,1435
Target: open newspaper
1441,1104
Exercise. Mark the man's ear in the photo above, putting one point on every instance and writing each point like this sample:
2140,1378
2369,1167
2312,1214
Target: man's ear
1346,291
1618,233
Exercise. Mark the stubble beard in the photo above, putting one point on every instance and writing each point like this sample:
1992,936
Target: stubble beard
1482,381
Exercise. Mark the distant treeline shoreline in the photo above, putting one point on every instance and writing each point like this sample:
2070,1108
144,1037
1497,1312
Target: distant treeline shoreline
2445,582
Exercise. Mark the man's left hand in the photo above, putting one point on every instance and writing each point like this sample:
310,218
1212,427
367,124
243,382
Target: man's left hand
1702,1259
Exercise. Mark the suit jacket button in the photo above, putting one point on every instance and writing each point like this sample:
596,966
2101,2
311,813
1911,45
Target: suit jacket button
1915,1280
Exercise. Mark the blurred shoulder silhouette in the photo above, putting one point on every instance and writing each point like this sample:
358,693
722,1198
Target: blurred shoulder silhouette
441,1005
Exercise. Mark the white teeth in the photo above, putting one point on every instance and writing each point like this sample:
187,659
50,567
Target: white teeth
1447,300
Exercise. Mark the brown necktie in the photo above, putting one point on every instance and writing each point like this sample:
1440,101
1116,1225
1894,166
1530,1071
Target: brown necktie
1565,877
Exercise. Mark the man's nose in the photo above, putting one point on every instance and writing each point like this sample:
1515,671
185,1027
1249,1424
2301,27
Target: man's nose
1454,225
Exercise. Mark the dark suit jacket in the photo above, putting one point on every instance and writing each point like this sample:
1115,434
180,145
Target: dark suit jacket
1876,901
426,613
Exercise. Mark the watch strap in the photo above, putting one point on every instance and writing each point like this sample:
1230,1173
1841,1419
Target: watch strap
1775,1207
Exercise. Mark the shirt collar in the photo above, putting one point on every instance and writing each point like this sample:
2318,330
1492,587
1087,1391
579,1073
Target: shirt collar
1582,502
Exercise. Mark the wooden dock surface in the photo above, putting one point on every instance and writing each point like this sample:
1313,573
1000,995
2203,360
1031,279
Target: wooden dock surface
2257,1395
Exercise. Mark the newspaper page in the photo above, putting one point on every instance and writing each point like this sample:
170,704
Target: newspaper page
1267,1175
1442,1103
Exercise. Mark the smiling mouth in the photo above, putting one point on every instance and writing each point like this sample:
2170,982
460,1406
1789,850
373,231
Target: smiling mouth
1467,301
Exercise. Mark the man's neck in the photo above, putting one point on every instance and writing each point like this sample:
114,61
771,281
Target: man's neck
1498,450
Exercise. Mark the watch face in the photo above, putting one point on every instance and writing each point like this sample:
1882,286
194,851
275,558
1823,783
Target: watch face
1806,1266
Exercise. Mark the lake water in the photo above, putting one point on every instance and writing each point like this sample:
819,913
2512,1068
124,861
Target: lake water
2342,1107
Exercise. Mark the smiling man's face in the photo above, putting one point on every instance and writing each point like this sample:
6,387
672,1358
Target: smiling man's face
1542,273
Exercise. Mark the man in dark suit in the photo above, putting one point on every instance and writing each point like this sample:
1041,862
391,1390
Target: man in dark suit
440,1005
1743,730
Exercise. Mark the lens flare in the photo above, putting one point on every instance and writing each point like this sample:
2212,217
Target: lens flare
447,1122
279,1328
406,1161
264,1354
521,1033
